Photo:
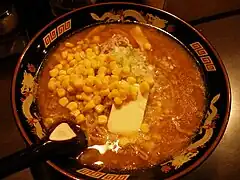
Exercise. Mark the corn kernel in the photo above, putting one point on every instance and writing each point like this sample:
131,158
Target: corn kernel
64,54
124,85
70,71
83,97
63,101
87,63
126,70
60,78
58,84
113,85
70,57
94,64
89,105
102,70
61,92
114,78
72,106
131,80
59,66
104,92
54,72
87,89
91,72
80,118
118,100
77,56
98,82
96,50
62,72
96,39
69,45
65,83
78,83
75,113
113,65
89,81
102,119
52,79
116,71
97,99
63,62
99,108
70,89
72,62
115,93
123,94
101,57
147,46
144,127
144,87
52,85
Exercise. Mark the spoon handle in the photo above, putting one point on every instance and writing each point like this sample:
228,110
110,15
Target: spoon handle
24,158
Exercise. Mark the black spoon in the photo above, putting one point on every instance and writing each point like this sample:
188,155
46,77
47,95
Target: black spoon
62,141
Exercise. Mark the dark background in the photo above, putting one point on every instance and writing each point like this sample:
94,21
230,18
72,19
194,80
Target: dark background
217,20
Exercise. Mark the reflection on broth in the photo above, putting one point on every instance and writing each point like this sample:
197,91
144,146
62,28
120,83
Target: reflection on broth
109,65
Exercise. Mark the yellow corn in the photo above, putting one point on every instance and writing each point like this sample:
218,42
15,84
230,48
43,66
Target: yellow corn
69,45
63,101
90,105
72,106
131,80
99,108
62,72
144,87
144,127
61,92
54,72
118,100
59,66
70,57
87,89
102,70
75,112
70,71
102,119
80,118
78,83
72,62
64,54
97,99
52,85
104,92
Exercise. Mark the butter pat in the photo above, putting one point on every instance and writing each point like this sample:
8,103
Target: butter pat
128,118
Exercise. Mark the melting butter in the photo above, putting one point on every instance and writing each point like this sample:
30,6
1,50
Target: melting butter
128,118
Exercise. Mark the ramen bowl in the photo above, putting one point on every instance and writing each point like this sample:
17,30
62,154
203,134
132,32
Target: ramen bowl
215,113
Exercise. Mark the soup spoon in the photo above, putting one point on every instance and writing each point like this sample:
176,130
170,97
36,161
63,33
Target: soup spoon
62,141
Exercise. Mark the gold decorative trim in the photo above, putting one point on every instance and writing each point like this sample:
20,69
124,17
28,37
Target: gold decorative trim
124,15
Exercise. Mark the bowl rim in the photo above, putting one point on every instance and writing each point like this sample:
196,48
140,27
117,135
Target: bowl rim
198,162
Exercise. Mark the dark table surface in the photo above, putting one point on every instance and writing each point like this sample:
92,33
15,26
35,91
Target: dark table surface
224,35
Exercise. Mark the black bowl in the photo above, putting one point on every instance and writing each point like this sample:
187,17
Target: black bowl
216,79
